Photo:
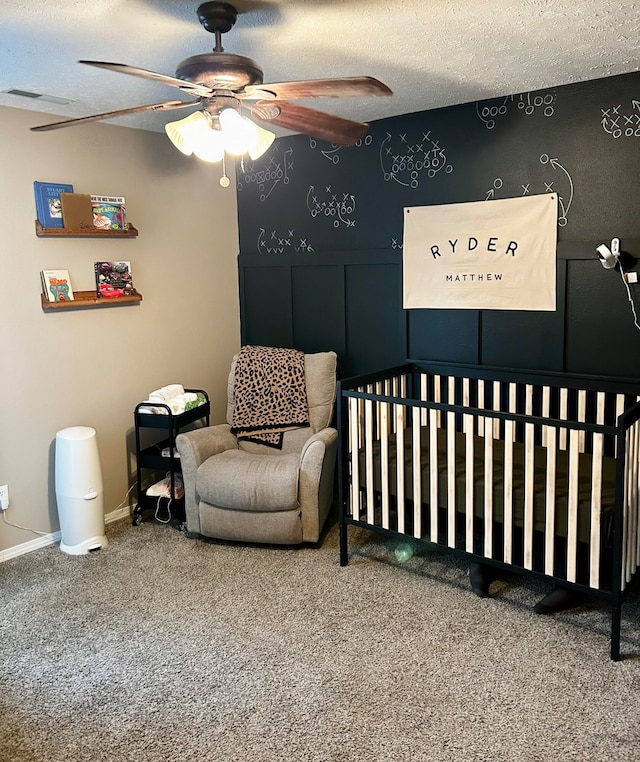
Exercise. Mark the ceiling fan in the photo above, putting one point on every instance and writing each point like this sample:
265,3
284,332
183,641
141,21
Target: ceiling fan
222,81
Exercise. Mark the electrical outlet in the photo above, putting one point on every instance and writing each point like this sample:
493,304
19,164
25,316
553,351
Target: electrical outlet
4,497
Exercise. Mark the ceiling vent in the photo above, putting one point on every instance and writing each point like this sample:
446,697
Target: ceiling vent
37,96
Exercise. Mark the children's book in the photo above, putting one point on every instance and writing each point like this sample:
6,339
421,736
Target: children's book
77,212
56,285
113,279
48,204
109,212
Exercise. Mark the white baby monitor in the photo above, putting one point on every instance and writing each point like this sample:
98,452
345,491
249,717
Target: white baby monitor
609,256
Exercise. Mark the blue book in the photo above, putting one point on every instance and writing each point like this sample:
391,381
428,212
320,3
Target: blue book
48,205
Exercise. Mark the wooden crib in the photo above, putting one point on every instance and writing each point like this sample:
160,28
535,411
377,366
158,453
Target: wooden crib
535,472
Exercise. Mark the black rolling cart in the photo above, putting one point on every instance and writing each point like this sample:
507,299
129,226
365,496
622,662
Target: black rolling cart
161,454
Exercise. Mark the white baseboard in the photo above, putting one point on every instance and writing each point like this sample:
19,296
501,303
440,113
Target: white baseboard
54,537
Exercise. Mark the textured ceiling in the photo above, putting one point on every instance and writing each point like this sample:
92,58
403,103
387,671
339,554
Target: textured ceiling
431,53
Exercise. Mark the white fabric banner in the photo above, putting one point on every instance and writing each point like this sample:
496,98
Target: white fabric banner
489,255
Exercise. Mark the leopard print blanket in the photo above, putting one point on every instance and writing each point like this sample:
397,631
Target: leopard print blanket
270,394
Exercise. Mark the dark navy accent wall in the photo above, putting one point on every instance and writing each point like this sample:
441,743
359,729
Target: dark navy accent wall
321,232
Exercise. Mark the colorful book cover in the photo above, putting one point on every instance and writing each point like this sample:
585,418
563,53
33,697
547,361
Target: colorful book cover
109,212
56,285
48,204
113,279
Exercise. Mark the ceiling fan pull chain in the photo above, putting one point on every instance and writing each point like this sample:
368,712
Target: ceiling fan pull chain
224,180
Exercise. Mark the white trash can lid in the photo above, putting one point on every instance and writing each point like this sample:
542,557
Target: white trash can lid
76,433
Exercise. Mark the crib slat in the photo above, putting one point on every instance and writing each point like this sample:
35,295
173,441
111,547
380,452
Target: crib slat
633,494
572,505
433,474
384,462
451,480
469,483
546,411
488,488
368,460
637,505
529,484
400,418
481,406
417,474
437,397
582,417
630,499
619,411
466,402
513,397
564,408
354,438
550,501
625,514
596,497
496,407
424,396
509,435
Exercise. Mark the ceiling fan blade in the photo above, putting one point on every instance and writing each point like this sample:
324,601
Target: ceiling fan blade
166,106
318,124
341,87
193,88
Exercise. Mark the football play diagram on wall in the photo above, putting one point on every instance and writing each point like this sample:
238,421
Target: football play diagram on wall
274,242
618,124
331,205
529,103
266,179
406,161
558,176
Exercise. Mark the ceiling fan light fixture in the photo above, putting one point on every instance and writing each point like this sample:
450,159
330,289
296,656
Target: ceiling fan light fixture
185,134
240,134
208,138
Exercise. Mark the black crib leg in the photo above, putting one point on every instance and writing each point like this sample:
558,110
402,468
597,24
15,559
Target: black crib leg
616,617
344,551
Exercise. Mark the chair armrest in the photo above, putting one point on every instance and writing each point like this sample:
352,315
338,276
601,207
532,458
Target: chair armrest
200,444
194,448
315,488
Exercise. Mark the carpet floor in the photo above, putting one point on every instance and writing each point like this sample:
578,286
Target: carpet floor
161,648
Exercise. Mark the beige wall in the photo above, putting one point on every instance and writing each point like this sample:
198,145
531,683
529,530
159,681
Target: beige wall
91,367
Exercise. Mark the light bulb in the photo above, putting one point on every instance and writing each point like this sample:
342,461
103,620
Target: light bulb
240,135
210,146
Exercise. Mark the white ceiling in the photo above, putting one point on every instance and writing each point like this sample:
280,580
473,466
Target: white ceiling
431,53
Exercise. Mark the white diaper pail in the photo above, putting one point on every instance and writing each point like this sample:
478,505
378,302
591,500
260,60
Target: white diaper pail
79,492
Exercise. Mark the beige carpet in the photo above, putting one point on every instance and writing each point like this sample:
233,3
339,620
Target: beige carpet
165,648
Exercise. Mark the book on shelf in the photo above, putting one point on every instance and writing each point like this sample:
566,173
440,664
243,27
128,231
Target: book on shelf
56,285
77,211
48,204
113,279
109,212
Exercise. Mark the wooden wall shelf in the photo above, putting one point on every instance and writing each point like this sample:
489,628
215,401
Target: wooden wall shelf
41,232
85,299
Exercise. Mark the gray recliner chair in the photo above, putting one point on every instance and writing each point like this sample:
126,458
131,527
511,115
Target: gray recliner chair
239,490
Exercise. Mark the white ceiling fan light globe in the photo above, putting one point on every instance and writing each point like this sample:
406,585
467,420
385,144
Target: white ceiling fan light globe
265,139
184,134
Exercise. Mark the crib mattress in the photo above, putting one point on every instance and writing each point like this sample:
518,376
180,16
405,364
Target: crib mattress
540,498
